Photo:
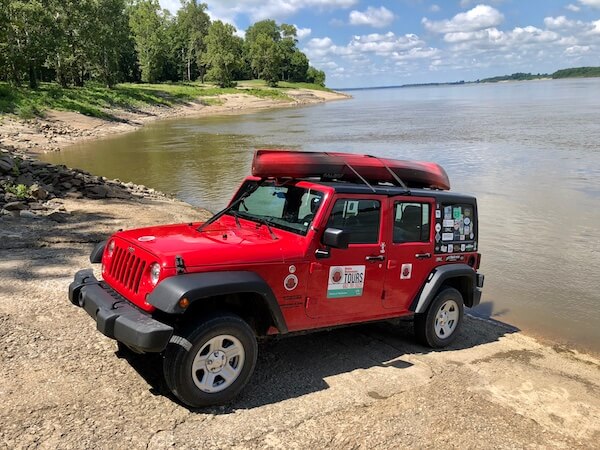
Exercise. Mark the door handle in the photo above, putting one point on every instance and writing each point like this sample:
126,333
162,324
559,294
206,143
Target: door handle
423,255
375,258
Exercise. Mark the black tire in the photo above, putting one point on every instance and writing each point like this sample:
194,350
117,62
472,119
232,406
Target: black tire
425,324
179,356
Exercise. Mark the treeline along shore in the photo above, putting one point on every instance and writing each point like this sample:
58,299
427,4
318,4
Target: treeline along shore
73,42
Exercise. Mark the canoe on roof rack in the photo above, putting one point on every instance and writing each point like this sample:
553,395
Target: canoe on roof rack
346,166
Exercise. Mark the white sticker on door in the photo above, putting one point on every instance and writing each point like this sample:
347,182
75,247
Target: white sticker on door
406,271
346,281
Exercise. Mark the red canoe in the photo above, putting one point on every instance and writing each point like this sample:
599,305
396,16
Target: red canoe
295,164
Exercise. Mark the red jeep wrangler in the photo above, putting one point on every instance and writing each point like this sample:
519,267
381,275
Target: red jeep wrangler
310,241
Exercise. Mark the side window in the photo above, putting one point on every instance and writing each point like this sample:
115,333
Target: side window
359,217
457,224
411,222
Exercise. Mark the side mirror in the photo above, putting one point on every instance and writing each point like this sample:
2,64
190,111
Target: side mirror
336,238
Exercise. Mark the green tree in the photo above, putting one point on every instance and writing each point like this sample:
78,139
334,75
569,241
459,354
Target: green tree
298,66
223,53
111,28
259,38
25,27
148,24
191,31
315,76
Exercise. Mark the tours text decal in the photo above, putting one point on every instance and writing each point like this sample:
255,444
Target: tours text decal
346,281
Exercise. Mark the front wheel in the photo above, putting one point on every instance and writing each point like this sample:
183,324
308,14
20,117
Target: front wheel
209,364
440,324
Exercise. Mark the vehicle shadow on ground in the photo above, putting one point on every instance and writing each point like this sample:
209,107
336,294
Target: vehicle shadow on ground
292,367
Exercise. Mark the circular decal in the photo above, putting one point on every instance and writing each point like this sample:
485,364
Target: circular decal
467,221
438,227
337,275
290,282
292,269
146,238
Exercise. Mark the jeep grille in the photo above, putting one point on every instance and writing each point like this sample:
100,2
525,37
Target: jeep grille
127,269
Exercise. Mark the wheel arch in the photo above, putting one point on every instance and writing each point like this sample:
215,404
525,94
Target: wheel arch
244,293
461,277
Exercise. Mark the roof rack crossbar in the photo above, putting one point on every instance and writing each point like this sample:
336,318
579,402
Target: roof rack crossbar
392,173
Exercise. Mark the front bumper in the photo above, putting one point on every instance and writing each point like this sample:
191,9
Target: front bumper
116,317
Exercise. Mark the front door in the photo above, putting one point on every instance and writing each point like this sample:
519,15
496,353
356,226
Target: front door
410,252
349,282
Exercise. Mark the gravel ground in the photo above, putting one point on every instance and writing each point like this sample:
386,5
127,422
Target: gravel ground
64,385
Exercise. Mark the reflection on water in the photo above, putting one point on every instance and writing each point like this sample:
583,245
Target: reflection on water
529,151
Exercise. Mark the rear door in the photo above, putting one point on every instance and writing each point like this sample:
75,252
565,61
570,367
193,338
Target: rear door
348,284
410,252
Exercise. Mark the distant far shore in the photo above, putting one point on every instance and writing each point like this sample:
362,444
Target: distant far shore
574,72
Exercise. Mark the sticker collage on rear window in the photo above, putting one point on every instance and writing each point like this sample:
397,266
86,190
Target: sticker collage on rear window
455,228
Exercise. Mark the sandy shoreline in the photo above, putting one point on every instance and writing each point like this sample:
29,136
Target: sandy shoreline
59,129
63,384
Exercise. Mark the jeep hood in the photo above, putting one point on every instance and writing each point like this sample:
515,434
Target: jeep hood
218,244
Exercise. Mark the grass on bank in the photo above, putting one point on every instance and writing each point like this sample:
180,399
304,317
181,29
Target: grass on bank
97,101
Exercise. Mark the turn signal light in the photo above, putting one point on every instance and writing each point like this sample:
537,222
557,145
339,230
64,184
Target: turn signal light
184,303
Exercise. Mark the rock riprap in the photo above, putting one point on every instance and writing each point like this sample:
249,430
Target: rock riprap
30,188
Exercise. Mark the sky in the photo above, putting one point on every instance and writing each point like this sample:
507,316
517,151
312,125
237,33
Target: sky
364,43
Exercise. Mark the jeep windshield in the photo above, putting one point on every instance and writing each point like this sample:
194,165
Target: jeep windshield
289,208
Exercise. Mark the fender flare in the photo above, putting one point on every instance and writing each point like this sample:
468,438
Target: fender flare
197,286
96,255
436,279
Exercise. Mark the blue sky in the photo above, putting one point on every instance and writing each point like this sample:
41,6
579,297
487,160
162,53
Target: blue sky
362,43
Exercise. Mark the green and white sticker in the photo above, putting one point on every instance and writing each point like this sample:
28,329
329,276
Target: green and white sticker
346,281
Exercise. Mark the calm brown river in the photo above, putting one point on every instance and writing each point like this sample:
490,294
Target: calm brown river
529,151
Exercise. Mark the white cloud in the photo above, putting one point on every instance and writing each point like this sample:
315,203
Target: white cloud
576,50
478,18
572,7
376,43
595,27
302,33
416,53
591,3
373,17
561,22
435,8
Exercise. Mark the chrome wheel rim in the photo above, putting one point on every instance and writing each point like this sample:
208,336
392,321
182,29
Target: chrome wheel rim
218,363
446,319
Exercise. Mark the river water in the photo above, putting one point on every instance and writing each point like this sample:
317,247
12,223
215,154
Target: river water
529,151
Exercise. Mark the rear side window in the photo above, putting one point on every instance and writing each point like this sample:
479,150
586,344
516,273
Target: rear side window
411,222
359,217
456,228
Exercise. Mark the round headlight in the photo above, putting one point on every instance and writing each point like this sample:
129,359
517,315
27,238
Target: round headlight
111,248
154,273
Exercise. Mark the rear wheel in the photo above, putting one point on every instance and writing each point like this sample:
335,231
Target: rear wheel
210,363
440,324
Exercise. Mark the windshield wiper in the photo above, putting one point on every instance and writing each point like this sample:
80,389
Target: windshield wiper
236,216
221,213
266,223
